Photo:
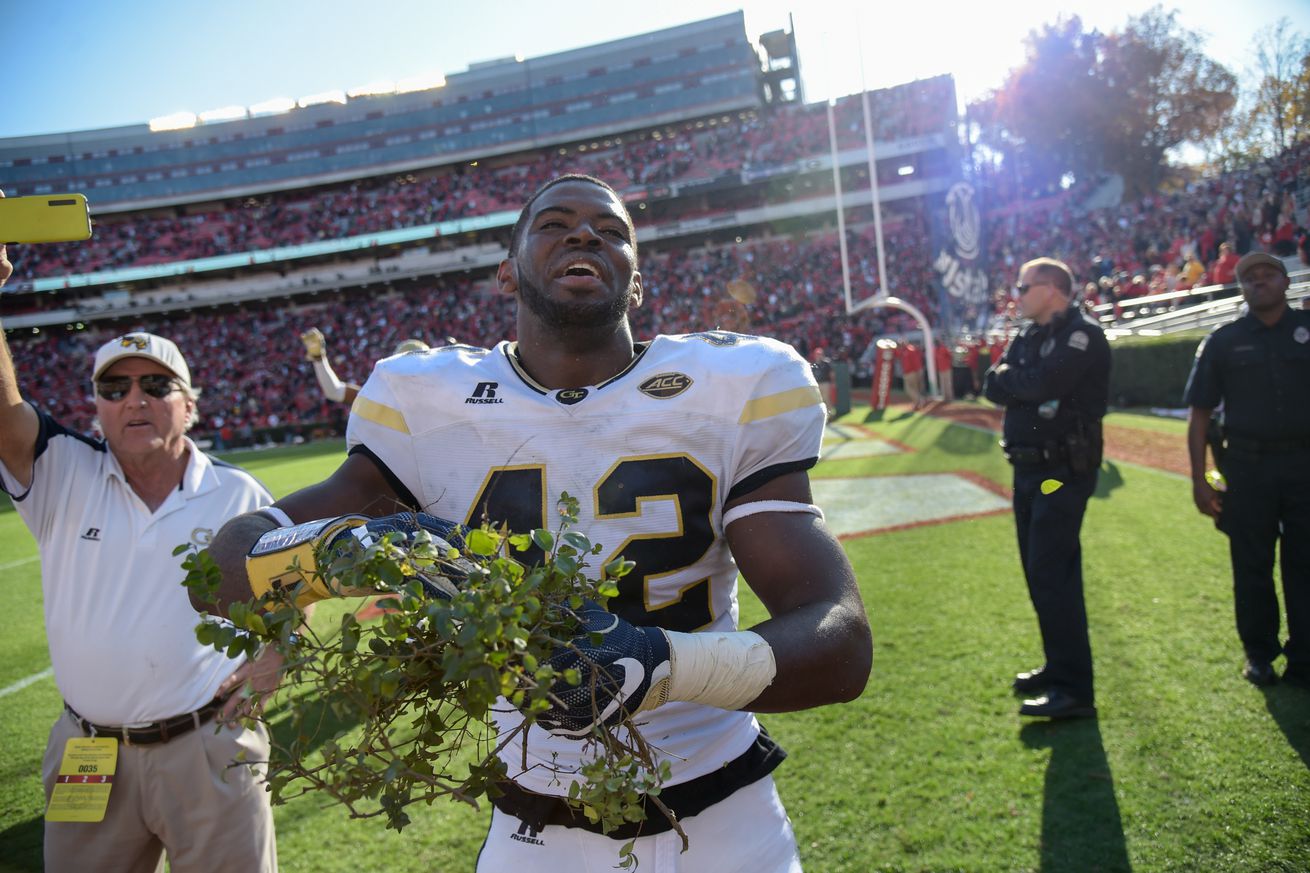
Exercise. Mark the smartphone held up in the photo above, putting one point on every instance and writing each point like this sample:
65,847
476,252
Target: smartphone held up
44,218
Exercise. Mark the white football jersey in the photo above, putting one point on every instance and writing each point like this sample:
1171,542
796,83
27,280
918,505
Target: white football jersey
652,455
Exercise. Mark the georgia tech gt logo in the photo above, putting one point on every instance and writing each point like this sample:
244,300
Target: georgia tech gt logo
202,536
132,340
570,396
665,385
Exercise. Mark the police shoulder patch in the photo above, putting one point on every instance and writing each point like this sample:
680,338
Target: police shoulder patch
1079,340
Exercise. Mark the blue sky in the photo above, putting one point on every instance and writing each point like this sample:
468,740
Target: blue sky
77,65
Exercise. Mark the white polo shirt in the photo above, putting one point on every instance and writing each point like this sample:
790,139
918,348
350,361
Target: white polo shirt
120,626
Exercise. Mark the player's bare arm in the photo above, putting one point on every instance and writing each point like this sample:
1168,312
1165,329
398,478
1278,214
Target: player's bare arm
356,487
818,628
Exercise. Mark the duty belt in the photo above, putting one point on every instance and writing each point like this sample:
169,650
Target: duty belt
1031,456
152,732
1266,447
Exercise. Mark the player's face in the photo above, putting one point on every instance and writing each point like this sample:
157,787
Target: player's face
139,424
576,265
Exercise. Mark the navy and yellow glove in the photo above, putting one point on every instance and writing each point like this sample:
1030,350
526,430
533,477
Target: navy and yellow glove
618,673
286,557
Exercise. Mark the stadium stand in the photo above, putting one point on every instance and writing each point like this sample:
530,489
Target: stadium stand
233,237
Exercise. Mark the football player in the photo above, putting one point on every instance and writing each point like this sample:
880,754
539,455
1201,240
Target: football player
690,453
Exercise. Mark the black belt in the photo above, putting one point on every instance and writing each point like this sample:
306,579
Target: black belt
684,800
154,732
1032,456
1266,447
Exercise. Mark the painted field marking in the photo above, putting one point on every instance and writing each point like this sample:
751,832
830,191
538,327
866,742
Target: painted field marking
30,680
843,441
857,507
20,562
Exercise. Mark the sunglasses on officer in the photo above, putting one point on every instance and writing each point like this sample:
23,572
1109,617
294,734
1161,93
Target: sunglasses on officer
1024,289
156,385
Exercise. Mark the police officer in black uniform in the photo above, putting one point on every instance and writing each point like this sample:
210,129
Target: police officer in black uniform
1054,384
1259,368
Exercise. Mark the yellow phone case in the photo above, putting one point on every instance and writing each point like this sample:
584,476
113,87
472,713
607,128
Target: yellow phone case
44,218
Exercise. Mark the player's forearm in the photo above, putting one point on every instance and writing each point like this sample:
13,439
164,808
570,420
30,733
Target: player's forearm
229,549
823,652
1198,422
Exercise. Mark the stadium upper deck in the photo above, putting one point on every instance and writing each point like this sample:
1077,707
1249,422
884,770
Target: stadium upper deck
492,108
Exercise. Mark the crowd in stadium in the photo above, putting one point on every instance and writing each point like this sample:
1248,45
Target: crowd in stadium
1166,241
751,141
255,377
251,369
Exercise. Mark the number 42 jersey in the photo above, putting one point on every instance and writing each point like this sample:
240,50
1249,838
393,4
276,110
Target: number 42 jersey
652,455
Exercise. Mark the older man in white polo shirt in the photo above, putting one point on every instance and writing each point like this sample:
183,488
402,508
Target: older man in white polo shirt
107,515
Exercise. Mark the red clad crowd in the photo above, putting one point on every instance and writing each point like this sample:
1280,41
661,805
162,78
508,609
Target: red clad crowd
251,366
705,149
1164,242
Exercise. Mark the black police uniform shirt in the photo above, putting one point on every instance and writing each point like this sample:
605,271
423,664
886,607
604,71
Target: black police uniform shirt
1261,375
1057,376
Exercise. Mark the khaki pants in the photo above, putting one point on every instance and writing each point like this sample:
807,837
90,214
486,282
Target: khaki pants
914,386
180,797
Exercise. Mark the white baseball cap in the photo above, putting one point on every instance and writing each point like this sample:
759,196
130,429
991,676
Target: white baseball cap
142,345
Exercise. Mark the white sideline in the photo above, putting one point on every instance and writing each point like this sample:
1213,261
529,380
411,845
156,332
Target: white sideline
20,562
23,683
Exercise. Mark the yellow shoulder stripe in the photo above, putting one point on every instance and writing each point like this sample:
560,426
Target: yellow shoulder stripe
777,404
371,410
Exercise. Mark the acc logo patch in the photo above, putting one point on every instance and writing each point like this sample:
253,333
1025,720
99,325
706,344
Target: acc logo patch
1079,340
570,396
1301,334
665,385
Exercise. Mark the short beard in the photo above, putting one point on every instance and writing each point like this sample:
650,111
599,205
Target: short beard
574,316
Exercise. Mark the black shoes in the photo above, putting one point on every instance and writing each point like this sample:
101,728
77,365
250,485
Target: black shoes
1057,704
1259,673
1032,682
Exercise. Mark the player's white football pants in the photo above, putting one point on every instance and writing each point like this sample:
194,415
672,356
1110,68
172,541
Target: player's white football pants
748,832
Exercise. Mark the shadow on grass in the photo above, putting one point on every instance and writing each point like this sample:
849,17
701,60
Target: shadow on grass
1290,708
1081,828
21,846
1110,479
319,724
963,441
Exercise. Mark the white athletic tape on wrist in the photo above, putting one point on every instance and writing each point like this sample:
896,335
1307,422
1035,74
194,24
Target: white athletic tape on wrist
277,515
744,509
725,669
333,388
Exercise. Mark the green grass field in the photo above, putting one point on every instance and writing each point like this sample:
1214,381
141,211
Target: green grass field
1187,769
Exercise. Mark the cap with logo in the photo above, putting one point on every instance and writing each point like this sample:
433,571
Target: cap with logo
1251,259
142,345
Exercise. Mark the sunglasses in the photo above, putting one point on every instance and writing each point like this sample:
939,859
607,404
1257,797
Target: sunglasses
1024,289
156,385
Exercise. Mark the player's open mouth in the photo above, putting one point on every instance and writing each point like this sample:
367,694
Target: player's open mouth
581,267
